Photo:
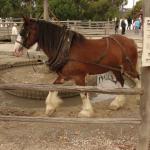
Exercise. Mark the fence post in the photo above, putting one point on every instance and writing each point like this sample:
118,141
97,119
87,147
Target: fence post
89,23
108,25
68,25
144,133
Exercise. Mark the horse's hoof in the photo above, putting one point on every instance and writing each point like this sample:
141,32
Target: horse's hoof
117,103
86,114
49,111
115,106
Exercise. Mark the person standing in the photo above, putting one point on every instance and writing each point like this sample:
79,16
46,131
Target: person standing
137,25
123,26
14,33
129,23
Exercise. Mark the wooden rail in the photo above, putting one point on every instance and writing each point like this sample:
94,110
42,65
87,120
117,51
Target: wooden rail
72,120
87,28
51,87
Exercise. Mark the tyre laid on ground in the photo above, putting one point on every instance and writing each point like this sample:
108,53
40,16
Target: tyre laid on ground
28,93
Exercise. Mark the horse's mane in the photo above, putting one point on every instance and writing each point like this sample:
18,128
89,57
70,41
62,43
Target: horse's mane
50,34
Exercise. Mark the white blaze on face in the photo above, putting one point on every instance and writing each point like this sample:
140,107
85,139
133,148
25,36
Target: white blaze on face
18,47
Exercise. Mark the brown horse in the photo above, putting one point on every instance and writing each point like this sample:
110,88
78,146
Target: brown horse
73,56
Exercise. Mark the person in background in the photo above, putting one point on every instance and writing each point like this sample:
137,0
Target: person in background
117,25
137,25
14,33
123,26
129,23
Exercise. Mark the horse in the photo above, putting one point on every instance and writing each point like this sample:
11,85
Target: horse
73,57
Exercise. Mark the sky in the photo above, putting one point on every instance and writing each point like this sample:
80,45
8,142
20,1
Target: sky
130,3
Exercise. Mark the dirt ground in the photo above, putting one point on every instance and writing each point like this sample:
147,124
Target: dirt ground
60,136
56,136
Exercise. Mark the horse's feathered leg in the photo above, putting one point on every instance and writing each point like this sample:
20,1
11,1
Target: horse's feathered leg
87,109
119,101
52,100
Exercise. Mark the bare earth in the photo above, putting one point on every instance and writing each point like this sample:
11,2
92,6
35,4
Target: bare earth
42,136
54,136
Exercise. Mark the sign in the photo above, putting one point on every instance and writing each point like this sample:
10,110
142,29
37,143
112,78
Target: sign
146,43
106,80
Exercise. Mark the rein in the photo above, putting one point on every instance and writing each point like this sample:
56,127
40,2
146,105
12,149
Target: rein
19,42
100,65
118,69
27,55
32,64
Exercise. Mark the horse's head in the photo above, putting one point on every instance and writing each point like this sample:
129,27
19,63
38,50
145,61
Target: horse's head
27,37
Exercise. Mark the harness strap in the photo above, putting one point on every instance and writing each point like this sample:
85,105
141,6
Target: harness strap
118,69
105,52
21,44
123,50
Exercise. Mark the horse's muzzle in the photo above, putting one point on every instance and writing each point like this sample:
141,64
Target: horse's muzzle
18,53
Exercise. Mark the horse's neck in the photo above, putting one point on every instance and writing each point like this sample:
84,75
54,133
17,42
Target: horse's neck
50,38
46,51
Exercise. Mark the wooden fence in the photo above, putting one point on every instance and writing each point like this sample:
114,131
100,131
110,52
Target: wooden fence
87,28
51,87
86,120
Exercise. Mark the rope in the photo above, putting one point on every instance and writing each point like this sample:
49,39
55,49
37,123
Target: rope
32,64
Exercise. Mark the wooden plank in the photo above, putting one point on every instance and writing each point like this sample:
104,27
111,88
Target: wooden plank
52,87
71,120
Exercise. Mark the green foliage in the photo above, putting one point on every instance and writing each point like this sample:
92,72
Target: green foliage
13,8
64,9
137,8
86,9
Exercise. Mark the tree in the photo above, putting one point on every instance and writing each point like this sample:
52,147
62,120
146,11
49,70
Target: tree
86,9
137,9
45,7
64,9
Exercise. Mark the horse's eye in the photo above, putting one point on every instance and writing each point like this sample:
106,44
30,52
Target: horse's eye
22,32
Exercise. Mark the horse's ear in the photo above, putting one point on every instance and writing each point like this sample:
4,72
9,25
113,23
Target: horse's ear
26,19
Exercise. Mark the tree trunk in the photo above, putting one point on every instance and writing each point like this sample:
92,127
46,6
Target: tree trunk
45,7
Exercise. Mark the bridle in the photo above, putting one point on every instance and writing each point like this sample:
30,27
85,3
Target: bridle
23,33
21,43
